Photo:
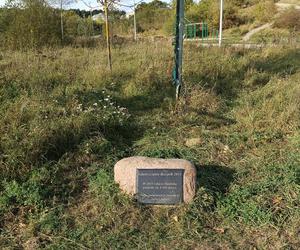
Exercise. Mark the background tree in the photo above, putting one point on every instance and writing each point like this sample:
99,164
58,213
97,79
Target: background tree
61,4
31,24
108,4
152,15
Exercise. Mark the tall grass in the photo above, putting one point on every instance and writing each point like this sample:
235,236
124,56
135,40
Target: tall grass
65,121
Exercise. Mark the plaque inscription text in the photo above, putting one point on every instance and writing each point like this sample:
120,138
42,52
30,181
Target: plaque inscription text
160,186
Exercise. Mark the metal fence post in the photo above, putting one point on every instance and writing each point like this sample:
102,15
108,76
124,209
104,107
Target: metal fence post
179,46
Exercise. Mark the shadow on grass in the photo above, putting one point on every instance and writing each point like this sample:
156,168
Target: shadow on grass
66,140
145,102
221,118
213,120
228,80
283,64
215,179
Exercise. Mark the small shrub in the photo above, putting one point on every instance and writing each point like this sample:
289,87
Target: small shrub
289,19
264,11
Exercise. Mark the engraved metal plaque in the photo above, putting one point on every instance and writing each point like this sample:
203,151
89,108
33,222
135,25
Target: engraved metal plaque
159,186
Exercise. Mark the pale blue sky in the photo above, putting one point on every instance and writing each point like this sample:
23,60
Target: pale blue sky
93,3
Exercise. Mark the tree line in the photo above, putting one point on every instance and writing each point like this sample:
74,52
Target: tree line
35,23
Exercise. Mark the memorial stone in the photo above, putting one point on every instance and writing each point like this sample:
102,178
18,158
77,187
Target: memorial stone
157,181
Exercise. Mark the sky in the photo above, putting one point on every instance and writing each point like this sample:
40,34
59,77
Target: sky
84,4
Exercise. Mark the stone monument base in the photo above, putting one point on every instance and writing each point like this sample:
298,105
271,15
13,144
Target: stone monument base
157,181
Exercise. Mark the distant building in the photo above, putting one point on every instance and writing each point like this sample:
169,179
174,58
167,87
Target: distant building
99,17
129,14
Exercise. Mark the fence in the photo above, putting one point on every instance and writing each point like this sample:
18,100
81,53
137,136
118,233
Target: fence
200,31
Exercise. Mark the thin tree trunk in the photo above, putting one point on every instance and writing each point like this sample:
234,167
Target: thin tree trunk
107,35
134,22
61,20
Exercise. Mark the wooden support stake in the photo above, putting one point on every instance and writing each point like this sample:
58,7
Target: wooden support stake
107,35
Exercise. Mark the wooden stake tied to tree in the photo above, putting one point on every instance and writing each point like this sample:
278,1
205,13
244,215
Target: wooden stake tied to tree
106,5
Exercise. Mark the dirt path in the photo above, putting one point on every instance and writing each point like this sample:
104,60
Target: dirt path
252,32
282,6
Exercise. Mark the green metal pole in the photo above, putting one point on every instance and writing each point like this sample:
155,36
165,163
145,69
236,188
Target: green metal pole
206,31
207,34
177,74
202,31
186,31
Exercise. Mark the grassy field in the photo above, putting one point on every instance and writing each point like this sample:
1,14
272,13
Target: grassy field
65,120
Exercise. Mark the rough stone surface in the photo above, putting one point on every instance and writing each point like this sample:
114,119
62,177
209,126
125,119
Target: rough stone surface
125,173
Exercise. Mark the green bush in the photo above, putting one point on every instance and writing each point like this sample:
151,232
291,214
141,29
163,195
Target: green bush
32,26
151,16
263,11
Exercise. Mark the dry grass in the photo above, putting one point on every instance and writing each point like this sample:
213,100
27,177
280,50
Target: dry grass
58,148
